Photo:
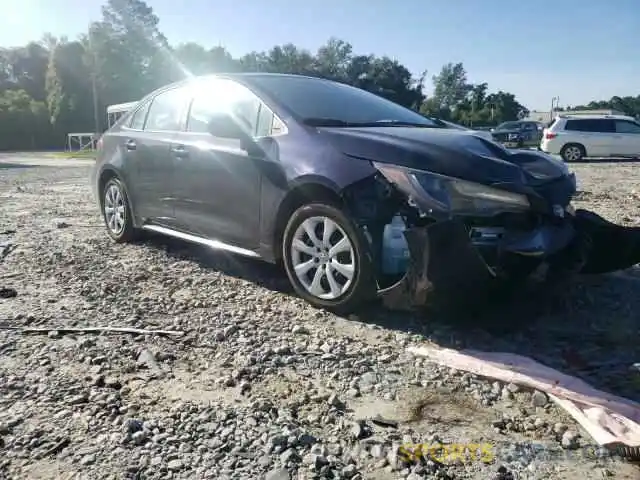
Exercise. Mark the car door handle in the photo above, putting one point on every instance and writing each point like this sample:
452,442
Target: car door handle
180,151
130,145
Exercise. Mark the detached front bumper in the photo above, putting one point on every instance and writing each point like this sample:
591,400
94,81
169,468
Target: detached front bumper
447,265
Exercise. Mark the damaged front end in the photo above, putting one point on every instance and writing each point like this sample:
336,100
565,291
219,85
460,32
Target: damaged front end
465,240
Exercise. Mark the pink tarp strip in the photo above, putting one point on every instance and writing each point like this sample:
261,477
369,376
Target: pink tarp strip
606,417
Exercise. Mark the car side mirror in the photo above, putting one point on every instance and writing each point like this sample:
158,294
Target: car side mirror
225,126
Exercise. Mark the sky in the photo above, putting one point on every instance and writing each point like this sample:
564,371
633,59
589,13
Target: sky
577,50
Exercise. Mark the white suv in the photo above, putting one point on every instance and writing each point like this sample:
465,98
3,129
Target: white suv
577,136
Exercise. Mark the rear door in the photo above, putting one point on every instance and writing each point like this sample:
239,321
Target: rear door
153,167
629,137
595,134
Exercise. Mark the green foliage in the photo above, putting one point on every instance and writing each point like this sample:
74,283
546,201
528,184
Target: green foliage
46,87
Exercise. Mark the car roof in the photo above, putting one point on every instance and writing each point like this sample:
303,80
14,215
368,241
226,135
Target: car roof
243,75
595,117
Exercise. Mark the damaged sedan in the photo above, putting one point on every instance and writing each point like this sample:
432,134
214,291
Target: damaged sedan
356,196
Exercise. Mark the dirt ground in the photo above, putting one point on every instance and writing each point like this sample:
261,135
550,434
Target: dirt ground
262,385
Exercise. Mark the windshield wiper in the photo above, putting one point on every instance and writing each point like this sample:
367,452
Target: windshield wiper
335,122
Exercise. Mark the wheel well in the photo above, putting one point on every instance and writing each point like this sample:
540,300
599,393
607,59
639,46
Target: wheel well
104,178
299,196
574,144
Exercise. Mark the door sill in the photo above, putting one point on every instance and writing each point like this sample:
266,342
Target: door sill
207,242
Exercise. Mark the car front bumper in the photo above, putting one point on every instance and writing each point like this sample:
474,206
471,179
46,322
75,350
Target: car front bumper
447,265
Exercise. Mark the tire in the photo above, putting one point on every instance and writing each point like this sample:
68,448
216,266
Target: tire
572,152
349,294
114,201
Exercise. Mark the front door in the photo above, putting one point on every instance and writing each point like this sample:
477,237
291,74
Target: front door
218,182
529,133
628,136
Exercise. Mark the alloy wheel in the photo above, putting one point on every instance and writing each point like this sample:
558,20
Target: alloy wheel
323,258
573,153
115,212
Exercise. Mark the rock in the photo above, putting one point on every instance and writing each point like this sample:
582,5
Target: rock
88,460
559,428
539,399
133,425
289,455
230,330
369,378
359,430
570,440
264,461
147,360
300,330
506,394
139,437
175,465
349,471
278,474
57,223
315,462
513,388
503,474
98,381
79,399
112,382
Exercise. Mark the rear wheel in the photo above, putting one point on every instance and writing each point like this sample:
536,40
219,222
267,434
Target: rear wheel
572,152
326,259
116,212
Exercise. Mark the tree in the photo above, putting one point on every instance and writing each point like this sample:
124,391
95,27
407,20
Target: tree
332,60
21,119
450,86
505,107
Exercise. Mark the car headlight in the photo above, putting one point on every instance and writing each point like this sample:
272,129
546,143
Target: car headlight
452,195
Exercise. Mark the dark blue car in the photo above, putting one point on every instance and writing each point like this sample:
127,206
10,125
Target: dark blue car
355,195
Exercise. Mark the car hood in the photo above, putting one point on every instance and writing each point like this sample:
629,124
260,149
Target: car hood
455,153
505,132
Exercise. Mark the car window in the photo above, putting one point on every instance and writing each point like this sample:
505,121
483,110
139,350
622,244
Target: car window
166,110
529,126
265,121
138,117
592,125
224,96
625,126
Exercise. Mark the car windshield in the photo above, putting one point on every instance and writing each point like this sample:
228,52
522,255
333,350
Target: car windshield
321,102
508,126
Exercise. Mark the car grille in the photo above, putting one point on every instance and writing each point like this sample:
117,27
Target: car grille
501,137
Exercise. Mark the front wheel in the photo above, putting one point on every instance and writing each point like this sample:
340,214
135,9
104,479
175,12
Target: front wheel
326,259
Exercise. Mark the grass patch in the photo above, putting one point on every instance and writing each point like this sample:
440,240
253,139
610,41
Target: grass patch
79,154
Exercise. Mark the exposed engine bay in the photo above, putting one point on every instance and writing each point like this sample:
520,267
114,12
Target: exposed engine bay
462,238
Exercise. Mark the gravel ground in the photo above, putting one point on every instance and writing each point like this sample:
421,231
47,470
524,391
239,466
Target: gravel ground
262,385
